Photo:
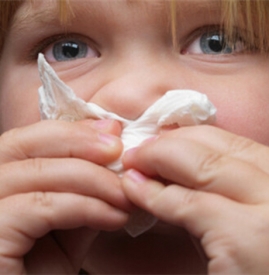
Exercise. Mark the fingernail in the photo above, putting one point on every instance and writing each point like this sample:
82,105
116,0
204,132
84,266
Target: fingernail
149,140
135,176
107,139
130,151
102,124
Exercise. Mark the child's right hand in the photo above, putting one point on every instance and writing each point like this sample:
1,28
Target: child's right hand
52,177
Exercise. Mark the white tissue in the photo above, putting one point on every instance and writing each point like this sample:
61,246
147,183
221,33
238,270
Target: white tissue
182,107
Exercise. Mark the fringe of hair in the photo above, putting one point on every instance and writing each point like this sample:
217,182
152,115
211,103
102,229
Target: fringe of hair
8,9
254,14
65,11
174,23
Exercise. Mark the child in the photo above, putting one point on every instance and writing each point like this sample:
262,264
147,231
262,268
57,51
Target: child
62,210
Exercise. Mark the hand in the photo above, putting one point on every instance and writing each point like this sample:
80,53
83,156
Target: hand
216,185
52,179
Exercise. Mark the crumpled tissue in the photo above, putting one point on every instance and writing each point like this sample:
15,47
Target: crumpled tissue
181,107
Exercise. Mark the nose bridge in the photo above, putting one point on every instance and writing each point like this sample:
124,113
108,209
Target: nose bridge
148,73
137,82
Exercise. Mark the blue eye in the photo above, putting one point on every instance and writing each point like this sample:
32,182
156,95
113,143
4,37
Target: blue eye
214,43
63,51
68,50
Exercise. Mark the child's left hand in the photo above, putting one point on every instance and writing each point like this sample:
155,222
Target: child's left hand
216,186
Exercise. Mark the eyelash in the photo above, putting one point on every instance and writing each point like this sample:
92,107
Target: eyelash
239,35
184,43
45,43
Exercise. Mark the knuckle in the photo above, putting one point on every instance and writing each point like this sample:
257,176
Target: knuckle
239,144
225,262
44,205
42,199
37,165
194,201
207,168
189,198
190,202
6,136
10,146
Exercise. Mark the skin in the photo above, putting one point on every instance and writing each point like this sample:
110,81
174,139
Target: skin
55,185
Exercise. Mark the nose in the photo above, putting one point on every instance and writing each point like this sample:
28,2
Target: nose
139,81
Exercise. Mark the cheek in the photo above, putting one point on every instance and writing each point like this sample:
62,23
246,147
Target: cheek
247,116
18,98
242,100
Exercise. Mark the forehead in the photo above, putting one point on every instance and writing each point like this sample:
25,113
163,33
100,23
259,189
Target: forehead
48,11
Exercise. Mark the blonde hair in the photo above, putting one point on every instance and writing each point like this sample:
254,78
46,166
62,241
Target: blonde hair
254,14
8,9
251,15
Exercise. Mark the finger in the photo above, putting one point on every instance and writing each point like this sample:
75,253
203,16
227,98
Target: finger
62,175
27,217
194,210
222,225
196,166
112,127
59,139
226,143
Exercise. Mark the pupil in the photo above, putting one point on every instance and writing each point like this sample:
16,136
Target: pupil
70,50
216,44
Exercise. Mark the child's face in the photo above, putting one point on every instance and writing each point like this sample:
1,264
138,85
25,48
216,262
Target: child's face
126,61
